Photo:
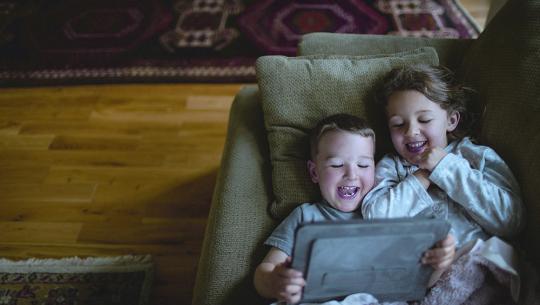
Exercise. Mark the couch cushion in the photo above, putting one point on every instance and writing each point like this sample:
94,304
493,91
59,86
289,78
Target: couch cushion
299,91
504,66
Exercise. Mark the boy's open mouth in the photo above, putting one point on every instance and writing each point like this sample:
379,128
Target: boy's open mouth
416,147
347,192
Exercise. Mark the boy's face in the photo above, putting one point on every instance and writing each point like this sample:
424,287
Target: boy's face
344,168
416,124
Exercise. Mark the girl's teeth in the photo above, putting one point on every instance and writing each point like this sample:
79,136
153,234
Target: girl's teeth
416,146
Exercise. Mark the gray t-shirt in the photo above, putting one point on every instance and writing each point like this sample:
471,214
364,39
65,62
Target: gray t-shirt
284,234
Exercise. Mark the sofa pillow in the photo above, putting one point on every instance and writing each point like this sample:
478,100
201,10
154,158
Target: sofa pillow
503,65
297,92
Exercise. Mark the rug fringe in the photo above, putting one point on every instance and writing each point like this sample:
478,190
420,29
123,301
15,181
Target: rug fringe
94,264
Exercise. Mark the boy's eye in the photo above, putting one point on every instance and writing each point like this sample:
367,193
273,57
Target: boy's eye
424,121
336,165
397,125
363,165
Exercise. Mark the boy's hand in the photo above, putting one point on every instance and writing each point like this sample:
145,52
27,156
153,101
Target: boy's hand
287,283
431,157
442,254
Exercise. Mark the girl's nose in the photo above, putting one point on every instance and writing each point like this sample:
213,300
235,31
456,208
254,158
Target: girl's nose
412,129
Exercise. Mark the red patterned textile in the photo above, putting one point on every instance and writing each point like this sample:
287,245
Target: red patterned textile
103,41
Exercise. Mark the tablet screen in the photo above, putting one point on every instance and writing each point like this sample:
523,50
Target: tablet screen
379,257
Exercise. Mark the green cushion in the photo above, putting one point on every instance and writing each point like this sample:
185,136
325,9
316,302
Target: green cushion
450,51
297,92
504,66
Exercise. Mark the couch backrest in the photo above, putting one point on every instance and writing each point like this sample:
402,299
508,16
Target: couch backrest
449,51
503,65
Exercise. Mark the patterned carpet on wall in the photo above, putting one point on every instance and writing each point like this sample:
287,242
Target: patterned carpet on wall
103,41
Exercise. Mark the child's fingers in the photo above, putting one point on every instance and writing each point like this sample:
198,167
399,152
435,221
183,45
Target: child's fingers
288,272
441,265
444,255
438,254
295,281
439,262
291,298
444,248
291,294
448,241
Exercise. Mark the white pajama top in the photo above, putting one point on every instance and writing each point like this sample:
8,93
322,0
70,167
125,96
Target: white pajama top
471,187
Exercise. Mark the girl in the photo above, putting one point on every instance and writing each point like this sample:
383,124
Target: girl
437,171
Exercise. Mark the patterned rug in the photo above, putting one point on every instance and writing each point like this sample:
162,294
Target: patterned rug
102,41
124,280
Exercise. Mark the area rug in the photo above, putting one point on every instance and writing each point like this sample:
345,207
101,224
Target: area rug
102,41
123,280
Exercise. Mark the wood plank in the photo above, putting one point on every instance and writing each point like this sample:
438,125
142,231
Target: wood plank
164,199
51,212
39,232
26,192
88,128
127,230
103,142
28,142
14,173
9,127
110,175
478,9
82,158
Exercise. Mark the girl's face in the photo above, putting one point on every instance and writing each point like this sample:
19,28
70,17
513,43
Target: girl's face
416,123
344,168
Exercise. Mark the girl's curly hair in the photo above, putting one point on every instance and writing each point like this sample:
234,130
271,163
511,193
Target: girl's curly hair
438,84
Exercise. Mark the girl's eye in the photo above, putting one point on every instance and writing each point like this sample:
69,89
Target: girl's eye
363,166
424,121
336,165
397,125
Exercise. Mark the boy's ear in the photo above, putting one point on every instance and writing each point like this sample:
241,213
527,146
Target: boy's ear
312,168
453,120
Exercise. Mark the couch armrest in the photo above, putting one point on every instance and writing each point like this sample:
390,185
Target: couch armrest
451,51
238,221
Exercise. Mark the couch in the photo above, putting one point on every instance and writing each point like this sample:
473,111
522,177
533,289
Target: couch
502,64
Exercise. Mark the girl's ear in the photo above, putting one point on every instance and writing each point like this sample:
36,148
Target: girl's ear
453,120
312,167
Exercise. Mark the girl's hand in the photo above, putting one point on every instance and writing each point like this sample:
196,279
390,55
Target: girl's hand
423,176
442,254
430,158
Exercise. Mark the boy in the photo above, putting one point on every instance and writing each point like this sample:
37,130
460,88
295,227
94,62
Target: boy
342,163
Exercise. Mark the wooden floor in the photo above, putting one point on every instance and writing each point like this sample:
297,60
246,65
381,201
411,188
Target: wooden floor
109,170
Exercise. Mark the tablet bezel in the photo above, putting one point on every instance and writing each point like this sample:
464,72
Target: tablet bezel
321,285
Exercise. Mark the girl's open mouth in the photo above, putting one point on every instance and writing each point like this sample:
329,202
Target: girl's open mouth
415,147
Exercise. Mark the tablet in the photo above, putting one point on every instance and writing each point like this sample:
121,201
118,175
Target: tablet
379,257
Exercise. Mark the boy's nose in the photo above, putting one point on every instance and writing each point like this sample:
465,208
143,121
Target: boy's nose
351,171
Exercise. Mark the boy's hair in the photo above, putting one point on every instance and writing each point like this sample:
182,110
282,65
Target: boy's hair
437,83
338,122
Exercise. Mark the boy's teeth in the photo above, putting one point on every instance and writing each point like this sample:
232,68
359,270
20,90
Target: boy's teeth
347,190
